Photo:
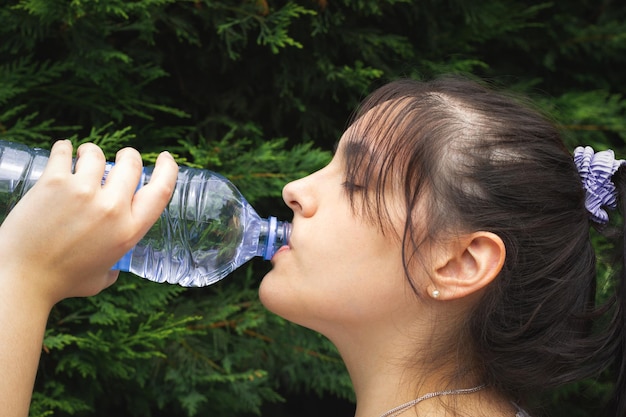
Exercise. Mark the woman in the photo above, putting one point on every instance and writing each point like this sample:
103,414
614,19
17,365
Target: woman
445,251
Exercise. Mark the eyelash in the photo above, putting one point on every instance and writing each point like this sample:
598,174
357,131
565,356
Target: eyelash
352,187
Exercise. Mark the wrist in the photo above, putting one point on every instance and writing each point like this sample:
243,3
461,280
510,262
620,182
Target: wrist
20,293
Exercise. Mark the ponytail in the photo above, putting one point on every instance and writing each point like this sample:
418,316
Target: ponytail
604,182
618,327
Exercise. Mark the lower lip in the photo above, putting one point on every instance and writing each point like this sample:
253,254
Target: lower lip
281,249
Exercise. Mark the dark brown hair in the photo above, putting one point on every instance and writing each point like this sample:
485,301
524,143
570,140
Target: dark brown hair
479,160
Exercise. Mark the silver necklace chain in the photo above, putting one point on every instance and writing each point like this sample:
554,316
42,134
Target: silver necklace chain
402,408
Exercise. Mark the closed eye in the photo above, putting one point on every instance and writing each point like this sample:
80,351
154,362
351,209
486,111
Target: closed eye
352,187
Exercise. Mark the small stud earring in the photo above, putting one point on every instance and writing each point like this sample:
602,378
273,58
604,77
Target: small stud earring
435,293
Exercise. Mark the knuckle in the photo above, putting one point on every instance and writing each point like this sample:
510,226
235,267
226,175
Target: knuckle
162,194
53,179
85,191
111,208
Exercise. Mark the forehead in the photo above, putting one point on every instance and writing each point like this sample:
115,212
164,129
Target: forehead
375,142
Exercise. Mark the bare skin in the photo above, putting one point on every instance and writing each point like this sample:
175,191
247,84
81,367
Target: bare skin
48,251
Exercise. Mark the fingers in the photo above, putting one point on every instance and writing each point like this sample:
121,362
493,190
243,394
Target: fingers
136,211
60,160
119,193
75,228
151,200
165,169
90,161
126,173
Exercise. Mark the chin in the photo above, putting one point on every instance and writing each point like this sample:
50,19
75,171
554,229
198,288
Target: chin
271,292
279,298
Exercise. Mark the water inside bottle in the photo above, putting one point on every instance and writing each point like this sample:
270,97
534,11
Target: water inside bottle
20,167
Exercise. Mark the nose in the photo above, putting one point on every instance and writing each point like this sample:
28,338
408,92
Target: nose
299,195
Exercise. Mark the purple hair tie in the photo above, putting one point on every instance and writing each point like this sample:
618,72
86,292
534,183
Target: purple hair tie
596,170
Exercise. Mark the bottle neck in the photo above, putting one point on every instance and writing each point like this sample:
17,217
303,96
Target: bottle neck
272,236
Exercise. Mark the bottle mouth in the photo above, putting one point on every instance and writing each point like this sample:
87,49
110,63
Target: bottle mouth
283,232
277,236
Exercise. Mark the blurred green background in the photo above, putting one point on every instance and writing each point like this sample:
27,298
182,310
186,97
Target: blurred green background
260,90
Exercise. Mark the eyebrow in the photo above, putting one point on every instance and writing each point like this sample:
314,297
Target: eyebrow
355,150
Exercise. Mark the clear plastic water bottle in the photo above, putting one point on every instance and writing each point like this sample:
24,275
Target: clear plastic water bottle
206,232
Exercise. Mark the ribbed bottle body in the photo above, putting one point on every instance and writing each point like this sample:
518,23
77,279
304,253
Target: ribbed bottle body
206,232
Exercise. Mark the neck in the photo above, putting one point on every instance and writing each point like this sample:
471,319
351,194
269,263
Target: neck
390,366
384,375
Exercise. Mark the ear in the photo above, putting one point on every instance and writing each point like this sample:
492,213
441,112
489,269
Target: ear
466,265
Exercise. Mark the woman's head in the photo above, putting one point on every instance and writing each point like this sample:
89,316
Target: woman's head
424,166
465,159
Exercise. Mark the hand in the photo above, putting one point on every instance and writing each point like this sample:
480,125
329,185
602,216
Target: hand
65,234
61,241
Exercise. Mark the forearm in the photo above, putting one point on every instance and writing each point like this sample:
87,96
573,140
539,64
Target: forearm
21,335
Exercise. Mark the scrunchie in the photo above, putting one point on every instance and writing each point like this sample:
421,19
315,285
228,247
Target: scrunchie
596,170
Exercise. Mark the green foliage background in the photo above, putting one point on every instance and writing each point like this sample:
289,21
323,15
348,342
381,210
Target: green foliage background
260,90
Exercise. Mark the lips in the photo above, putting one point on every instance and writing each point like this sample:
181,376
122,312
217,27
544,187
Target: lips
282,249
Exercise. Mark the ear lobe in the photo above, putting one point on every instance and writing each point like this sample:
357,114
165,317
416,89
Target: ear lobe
470,264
